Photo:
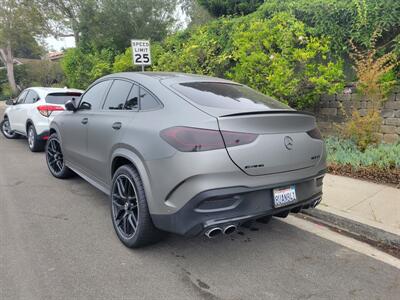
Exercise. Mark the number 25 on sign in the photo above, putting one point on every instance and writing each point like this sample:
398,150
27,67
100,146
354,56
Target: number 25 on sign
141,52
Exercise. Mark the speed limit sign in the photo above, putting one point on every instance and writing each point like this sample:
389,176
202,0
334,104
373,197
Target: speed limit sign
141,52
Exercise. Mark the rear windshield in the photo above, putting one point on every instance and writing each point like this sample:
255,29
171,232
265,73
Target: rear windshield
61,98
227,95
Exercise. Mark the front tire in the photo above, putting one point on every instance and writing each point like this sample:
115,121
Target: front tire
129,210
55,158
6,130
35,144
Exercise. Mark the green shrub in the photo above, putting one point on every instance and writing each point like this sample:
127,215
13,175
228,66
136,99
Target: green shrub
342,20
278,57
82,68
281,58
346,152
204,50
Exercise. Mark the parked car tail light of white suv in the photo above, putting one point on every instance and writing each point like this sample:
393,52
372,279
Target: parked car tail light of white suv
47,110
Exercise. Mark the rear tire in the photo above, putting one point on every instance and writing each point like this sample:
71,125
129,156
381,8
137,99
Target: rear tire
129,210
35,144
6,130
55,158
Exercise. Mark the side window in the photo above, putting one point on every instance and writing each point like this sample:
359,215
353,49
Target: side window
93,98
21,97
133,102
117,95
31,97
147,101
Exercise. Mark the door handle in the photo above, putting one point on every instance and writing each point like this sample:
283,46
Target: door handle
117,125
84,121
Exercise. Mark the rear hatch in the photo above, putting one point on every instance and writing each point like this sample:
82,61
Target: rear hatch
55,102
282,145
284,142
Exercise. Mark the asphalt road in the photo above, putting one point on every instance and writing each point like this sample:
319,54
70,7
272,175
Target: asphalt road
57,242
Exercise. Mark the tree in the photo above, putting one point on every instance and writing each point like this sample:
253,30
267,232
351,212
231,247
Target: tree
220,8
195,13
110,24
20,20
66,16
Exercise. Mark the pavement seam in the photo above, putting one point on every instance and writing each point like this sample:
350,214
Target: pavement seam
365,199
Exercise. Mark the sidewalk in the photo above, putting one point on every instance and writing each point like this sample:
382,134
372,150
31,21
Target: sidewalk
362,209
362,201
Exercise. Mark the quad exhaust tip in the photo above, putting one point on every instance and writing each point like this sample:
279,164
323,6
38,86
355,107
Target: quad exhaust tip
213,232
229,229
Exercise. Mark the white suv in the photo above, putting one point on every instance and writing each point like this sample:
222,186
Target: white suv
31,113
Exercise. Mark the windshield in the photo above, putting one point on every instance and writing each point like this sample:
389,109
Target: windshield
61,98
227,95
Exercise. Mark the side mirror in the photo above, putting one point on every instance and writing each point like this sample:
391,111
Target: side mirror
10,102
70,105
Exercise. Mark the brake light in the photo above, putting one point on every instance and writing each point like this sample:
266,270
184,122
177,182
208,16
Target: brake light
47,110
189,139
315,133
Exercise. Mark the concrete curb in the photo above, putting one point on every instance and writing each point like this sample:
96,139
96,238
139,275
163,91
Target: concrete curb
373,235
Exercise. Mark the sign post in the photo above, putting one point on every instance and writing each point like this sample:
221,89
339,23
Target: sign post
141,53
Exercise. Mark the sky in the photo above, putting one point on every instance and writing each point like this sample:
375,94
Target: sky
60,43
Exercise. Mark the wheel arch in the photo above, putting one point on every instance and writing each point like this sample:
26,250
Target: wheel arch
53,129
122,156
27,124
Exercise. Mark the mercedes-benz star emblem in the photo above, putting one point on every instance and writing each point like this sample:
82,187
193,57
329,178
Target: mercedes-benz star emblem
288,142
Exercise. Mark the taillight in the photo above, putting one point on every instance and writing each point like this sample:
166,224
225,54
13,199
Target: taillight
46,110
189,139
315,133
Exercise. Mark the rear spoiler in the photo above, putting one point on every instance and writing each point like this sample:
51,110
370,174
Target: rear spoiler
270,112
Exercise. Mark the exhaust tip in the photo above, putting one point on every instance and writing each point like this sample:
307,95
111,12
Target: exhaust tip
229,229
316,203
213,232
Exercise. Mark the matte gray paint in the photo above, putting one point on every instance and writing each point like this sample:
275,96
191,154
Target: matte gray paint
90,148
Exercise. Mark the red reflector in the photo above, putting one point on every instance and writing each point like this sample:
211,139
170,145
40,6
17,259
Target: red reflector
45,138
46,110
188,139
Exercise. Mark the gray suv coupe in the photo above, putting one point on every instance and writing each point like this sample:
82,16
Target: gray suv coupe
187,154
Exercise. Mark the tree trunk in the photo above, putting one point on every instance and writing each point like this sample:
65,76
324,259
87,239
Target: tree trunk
75,29
8,60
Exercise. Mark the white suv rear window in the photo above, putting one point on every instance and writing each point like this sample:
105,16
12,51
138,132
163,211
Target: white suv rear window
61,98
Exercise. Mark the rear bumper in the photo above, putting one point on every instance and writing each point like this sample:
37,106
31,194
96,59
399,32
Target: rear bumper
235,205
44,136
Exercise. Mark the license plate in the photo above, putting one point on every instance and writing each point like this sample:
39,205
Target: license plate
284,196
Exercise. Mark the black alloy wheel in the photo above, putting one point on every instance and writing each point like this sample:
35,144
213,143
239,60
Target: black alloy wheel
55,158
125,206
129,210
